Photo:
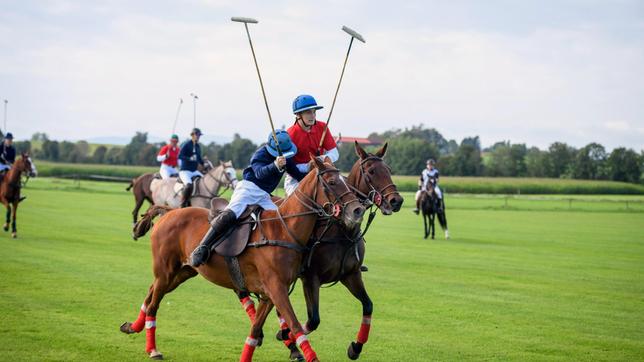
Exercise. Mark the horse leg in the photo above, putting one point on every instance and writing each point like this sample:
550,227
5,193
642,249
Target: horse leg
425,228
137,207
284,335
432,224
6,224
256,330
14,210
248,305
278,292
354,283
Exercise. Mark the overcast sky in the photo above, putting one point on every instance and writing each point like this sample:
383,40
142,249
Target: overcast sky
525,71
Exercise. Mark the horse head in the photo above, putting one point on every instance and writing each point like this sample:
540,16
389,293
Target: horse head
372,176
333,193
225,173
26,165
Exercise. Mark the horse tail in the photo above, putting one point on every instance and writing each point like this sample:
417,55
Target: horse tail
131,185
442,218
145,224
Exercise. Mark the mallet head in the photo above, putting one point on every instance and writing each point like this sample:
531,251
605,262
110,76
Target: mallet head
353,33
240,19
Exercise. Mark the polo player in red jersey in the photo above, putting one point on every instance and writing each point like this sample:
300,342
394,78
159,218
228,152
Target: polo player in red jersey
306,134
169,157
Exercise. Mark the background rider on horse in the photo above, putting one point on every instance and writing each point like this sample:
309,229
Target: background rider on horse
306,134
190,156
260,180
169,158
7,154
428,174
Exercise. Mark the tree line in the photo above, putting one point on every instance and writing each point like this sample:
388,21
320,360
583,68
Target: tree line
408,150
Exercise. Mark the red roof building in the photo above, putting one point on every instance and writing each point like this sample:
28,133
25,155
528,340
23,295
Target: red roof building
361,140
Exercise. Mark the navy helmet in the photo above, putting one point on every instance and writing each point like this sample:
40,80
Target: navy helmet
304,102
8,136
287,146
196,131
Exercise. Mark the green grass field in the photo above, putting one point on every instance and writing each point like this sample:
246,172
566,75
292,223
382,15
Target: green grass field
531,280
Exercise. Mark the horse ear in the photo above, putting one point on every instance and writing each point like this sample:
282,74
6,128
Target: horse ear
382,151
318,164
221,163
327,159
360,151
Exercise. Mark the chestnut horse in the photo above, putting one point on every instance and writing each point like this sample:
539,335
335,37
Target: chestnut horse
10,189
337,252
267,271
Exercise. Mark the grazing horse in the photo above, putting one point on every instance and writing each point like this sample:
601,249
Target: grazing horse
268,265
166,192
10,189
337,252
432,206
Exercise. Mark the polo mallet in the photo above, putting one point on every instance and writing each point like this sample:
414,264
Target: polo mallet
354,35
194,109
176,118
246,21
5,115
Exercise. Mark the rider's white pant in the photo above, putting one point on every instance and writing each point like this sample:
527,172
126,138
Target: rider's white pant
290,183
186,176
247,193
4,167
437,189
167,171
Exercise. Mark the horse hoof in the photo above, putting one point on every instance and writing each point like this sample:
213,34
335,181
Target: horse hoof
156,355
14,235
126,328
6,228
282,334
296,356
354,350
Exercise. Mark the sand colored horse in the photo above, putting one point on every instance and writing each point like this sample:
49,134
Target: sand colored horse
268,265
168,192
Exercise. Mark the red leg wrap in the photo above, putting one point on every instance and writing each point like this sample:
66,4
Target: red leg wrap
139,324
249,348
305,346
249,307
363,334
150,330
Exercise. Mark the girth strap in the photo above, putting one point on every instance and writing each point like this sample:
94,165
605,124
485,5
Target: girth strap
235,273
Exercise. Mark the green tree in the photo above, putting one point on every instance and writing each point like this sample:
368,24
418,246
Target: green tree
99,154
560,157
466,161
536,162
407,156
624,165
590,162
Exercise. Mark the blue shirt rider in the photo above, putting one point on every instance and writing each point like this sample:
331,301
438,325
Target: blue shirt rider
261,178
190,157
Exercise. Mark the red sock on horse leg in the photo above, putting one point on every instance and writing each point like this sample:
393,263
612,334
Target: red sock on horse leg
305,346
363,334
249,307
150,331
249,348
139,323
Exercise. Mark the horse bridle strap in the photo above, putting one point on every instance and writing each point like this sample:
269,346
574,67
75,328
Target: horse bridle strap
375,196
284,244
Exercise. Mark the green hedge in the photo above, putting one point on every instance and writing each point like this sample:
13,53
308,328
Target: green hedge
526,186
80,170
468,185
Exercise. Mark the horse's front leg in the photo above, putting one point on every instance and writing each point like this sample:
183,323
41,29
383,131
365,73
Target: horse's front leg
8,219
256,335
14,232
278,292
354,283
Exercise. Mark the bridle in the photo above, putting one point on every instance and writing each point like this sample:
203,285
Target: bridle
211,192
374,196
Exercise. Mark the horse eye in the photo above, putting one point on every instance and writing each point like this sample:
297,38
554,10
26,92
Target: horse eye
372,171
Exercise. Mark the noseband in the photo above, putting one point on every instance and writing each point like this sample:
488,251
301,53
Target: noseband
375,196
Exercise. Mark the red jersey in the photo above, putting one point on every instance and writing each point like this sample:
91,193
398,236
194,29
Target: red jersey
309,141
172,156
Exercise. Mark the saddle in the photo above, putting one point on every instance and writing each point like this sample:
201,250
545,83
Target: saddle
179,185
234,241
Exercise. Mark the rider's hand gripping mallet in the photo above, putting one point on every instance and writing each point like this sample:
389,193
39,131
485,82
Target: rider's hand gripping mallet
246,21
354,35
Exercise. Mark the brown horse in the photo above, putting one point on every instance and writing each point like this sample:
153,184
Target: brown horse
267,271
10,189
432,206
337,252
